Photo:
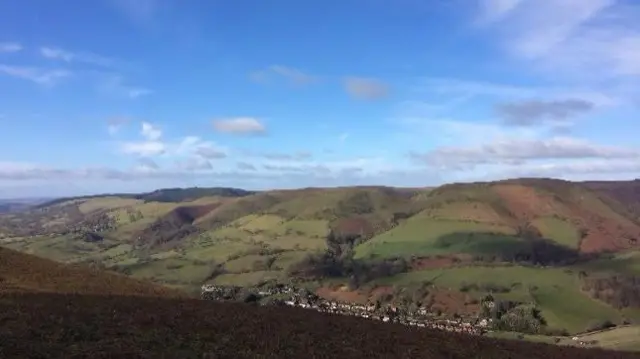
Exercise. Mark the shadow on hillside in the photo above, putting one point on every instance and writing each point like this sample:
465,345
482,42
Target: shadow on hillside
500,247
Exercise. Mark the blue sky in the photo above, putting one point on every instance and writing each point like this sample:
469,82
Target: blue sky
132,95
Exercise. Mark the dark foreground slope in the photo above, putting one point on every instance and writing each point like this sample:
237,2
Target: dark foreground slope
74,326
21,273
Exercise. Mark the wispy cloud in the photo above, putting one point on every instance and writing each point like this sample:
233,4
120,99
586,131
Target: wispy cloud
114,124
37,75
534,112
292,75
583,39
495,10
9,47
138,11
55,53
239,125
115,84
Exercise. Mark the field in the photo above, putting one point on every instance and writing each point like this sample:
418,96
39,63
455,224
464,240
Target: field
66,326
554,290
623,338
425,236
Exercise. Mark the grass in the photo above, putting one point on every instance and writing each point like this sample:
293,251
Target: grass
218,252
247,279
243,264
559,230
106,203
173,270
286,259
622,338
625,262
420,236
467,211
556,292
61,248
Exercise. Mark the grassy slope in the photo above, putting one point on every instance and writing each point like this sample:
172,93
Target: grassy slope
555,291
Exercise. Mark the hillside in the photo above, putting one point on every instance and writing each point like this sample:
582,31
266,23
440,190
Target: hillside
23,273
569,249
72,326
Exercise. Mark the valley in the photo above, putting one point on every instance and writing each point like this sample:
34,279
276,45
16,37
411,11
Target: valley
568,249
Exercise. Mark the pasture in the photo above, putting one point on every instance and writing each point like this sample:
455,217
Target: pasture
424,236
556,291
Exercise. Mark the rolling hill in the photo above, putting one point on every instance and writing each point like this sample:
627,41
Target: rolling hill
554,244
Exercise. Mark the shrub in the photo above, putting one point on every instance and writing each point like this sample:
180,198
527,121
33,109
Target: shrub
599,325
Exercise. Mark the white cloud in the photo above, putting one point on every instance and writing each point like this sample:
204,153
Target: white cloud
189,150
55,53
35,74
8,47
239,125
150,132
144,148
150,146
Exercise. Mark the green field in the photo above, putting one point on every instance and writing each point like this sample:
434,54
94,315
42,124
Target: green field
554,290
559,230
426,236
623,338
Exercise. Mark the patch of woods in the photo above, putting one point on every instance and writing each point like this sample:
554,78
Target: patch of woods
338,262
619,291
508,315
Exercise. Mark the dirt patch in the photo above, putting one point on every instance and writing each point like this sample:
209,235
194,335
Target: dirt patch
453,302
380,292
440,262
342,294
353,226
600,233
525,203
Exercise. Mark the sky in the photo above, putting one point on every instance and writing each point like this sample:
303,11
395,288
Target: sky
134,95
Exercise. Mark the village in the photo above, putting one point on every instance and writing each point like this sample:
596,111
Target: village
303,298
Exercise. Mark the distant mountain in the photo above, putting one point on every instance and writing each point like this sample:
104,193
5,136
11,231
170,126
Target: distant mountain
11,205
